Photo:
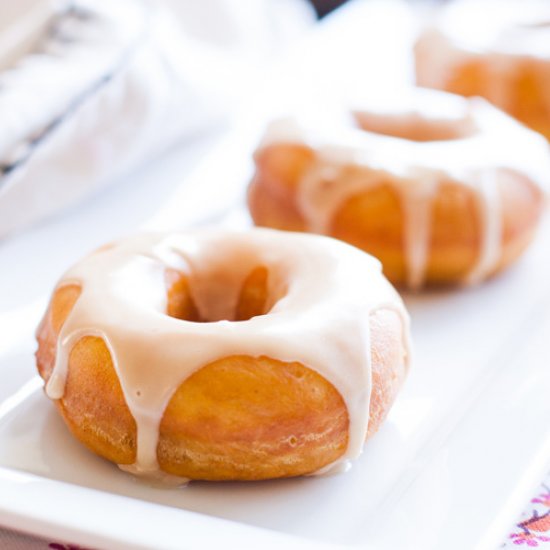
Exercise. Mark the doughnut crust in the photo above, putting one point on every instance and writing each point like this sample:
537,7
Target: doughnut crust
236,418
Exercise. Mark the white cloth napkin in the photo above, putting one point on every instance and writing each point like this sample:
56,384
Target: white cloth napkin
113,83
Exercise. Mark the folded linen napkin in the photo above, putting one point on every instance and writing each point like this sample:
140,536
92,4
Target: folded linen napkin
110,84
21,25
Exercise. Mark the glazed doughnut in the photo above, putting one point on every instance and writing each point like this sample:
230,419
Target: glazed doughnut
440,188
224,356
495,49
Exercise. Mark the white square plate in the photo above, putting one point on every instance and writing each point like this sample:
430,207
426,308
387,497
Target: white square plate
466,441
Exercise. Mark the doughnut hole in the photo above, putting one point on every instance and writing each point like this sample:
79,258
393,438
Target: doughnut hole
252,301
180,304
253,298
415,128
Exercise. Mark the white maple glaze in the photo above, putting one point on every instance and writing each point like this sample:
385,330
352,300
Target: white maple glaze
477,141
502,35
321,291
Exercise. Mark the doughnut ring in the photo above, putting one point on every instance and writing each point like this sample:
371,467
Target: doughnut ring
441,189
224,356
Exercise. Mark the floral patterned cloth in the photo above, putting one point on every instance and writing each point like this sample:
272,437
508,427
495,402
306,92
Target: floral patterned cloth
532,530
